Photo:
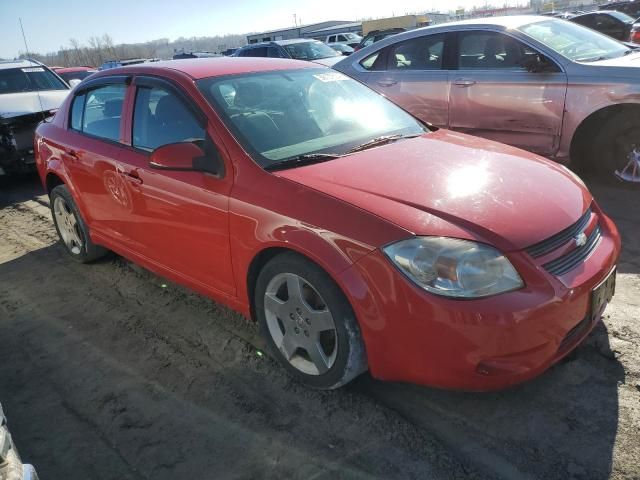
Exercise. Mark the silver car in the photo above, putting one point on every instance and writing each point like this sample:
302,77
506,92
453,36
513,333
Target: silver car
543,84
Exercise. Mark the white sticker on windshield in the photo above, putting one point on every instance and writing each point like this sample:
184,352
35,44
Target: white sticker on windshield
32,69
330,77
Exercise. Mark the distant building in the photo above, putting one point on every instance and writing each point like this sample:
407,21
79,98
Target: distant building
302,31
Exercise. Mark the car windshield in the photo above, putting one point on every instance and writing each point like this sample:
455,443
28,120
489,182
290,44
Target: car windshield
29,79
575,42
310,50
283,115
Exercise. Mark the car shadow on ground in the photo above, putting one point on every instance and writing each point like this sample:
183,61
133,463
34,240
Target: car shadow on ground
18,188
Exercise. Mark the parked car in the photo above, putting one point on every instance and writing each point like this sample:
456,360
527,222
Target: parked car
183,55
614,24
377,35
546,85
345,38
29,93
70,74
123,63
298,49
342,49
631,8
11,467
354,234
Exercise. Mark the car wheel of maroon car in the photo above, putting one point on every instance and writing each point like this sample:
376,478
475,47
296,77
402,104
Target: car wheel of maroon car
71,228
308,322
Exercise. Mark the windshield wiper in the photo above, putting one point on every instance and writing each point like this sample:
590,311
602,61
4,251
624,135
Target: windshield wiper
302,160
384,139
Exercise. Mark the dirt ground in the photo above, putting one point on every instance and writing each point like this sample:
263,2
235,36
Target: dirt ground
110,372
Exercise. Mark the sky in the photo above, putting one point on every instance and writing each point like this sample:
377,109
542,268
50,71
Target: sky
49,24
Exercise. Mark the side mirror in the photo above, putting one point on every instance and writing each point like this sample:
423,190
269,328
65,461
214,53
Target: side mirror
184,156
74,81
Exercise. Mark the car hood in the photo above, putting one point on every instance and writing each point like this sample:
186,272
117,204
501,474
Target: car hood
330,61
446,183
23,103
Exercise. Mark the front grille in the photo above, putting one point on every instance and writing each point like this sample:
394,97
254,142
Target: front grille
562,265
550,244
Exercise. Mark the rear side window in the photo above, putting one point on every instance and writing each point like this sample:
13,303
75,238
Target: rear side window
421,53
98,112
368,62
160,117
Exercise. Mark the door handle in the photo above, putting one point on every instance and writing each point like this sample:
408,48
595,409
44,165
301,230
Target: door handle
73,156
132,176
387,83
463,82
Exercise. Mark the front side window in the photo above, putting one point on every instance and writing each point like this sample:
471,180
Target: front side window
421,53
281,115
160,117
29,79
491,50
342,38
574,41
98,112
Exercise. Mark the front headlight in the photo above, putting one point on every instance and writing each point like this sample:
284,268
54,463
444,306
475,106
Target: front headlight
454,268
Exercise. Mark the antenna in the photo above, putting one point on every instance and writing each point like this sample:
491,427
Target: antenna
29,58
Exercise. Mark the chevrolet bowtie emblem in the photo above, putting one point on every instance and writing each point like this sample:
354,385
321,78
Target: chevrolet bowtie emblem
581,240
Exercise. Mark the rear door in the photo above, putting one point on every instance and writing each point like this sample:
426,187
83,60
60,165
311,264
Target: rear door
494,96
94,146
411,73
179,219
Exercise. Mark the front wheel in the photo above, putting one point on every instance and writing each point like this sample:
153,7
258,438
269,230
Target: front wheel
308,323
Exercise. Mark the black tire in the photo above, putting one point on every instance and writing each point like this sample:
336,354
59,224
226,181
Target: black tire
350,357
612,145
85,251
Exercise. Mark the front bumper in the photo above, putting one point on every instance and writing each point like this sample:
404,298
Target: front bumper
476,345
11,467
16,143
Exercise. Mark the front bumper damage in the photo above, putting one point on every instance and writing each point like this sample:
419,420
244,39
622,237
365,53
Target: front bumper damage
16,141
11,467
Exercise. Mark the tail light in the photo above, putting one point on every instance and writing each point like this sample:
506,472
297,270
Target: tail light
635,35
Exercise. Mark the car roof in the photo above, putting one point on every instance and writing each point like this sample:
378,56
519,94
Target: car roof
198,68
5,64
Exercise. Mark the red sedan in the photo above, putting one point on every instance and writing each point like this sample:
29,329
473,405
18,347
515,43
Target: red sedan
358,237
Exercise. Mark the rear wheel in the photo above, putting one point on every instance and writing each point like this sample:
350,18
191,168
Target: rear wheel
71,228
308,323
615,148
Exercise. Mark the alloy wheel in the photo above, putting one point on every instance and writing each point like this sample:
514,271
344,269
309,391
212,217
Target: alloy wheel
67,225
300,324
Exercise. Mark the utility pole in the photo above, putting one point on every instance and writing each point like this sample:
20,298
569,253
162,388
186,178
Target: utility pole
295,20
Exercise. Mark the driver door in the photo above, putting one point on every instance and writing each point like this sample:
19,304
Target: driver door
494,96
179,219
